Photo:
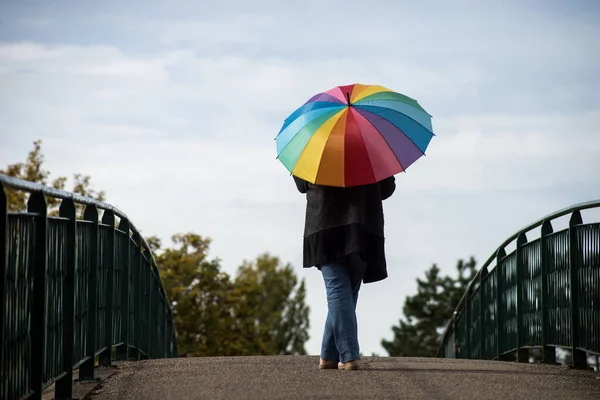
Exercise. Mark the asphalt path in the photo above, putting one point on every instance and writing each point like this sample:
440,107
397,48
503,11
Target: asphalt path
298,377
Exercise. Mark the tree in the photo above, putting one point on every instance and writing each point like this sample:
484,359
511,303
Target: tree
261,311
32,170
275,305
427,312
198,292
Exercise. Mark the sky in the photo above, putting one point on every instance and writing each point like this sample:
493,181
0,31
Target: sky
172,107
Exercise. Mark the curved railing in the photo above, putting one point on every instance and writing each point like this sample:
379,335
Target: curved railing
543,295
74,292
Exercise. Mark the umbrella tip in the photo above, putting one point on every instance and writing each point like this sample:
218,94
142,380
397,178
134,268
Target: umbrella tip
348,97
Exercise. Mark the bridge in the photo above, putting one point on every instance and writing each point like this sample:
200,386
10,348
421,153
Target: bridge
85,314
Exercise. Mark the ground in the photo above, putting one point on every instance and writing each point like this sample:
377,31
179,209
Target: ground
298,377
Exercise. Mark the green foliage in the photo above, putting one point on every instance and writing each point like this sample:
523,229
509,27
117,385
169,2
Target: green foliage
427,312
198,290
273,305
154,244
33,170
83,187
259,312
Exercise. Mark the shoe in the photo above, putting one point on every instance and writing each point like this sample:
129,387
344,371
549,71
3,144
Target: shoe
348,366
326,364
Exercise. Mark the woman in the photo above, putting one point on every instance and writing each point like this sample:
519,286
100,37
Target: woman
343,238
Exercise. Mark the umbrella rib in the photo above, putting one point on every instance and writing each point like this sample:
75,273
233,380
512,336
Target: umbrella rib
385,140
287,123
400,130
416,104
361,106
345,111
359,92
304,126
361,111
382,90
311,138
364,144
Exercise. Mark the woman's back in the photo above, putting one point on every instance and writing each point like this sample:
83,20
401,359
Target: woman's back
344,221
328,207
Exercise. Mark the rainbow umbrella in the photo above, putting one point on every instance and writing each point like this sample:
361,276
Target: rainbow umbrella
353,135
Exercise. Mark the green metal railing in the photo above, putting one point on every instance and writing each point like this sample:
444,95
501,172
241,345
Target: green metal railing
542,296
74,292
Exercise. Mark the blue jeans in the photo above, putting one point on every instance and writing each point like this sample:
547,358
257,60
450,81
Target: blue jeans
340,338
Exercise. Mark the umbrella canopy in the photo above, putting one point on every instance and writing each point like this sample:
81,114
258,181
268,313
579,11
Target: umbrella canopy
353,135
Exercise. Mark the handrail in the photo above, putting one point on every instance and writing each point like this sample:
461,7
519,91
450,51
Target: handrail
500,256
557,214
20,184
74,292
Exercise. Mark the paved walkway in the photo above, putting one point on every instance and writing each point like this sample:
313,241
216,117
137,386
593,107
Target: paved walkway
297,377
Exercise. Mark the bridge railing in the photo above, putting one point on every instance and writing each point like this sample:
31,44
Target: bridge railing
76,291
542,296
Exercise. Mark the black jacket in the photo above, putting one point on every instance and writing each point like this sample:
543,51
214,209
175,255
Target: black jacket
341,222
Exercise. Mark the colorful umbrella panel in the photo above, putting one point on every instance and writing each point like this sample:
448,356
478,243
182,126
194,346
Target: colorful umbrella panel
353,135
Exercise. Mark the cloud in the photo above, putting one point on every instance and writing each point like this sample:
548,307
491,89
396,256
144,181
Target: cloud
496,152
99,94
36,22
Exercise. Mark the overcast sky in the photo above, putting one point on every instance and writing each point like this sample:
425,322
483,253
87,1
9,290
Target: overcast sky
172,108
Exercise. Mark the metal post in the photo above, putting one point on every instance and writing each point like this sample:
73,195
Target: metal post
500,338
578,357
145,303
522,354
141,304
37,205
86,370
482,304
3,267
455,349
168,334
163,321
548,353
168,339
108,219
151,310
64,386
469,325
138,283
122,351
173,346
156,315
